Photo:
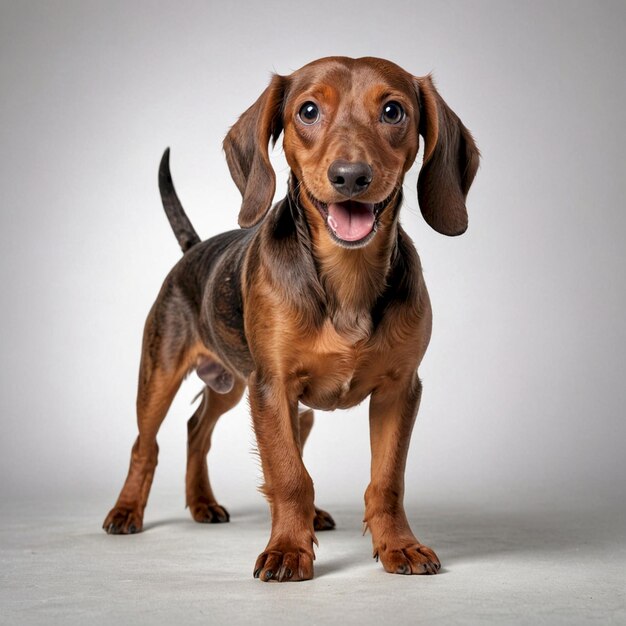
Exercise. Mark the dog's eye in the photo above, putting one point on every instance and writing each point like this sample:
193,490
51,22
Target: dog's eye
309,113
393,113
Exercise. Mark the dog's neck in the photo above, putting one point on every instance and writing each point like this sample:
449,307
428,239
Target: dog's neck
352,279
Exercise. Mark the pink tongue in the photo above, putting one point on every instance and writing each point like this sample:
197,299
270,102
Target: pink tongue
351,220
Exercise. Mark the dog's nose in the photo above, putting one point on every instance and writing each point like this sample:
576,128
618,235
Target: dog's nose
349,178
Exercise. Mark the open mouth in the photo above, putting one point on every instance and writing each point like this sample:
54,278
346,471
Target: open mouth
350,222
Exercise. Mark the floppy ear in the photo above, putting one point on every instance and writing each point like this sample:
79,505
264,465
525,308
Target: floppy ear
246,147
450,162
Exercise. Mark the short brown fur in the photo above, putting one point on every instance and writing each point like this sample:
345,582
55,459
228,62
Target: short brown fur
285,309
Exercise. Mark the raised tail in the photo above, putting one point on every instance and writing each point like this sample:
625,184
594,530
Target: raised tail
184,231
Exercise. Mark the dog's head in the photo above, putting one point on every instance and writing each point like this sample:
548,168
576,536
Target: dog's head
351,131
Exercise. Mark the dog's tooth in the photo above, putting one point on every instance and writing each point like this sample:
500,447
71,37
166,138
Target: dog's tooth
332,222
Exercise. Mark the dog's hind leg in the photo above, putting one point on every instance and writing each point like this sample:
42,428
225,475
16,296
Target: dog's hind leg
164,362
322,520
200,499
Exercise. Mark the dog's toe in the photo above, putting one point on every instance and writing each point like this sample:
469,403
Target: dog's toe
290,564
412,559
123,521
323,520
206,513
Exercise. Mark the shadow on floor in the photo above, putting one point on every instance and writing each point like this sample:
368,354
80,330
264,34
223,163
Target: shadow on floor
468,535
457,533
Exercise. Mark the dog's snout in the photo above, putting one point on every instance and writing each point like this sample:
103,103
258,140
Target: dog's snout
350,178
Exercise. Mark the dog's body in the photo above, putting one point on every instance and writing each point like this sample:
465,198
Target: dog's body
322,303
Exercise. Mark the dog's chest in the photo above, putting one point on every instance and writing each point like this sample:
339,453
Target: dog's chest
335,372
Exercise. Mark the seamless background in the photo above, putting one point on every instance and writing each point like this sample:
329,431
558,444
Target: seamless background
524,379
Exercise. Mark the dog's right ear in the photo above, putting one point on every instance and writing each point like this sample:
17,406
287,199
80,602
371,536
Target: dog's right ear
247,152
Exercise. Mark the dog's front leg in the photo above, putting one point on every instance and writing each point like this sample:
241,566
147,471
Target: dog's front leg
288,486
393,407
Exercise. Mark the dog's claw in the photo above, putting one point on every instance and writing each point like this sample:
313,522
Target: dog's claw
284,573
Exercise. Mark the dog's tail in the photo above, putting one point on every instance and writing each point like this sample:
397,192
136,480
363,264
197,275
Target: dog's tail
184,231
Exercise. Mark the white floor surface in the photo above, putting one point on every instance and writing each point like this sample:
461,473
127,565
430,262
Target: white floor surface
543,566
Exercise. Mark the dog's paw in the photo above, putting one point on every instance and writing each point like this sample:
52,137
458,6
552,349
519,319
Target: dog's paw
286,565
323,520
409,559
123,521
206,513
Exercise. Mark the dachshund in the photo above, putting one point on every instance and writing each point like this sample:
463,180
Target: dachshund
316,302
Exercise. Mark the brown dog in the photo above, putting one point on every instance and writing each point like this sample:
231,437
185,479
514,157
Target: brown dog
319,302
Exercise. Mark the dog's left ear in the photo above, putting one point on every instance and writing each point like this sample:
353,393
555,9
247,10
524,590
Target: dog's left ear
450,162
247,152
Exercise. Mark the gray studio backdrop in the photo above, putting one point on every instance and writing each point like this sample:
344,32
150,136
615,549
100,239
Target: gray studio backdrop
524,379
